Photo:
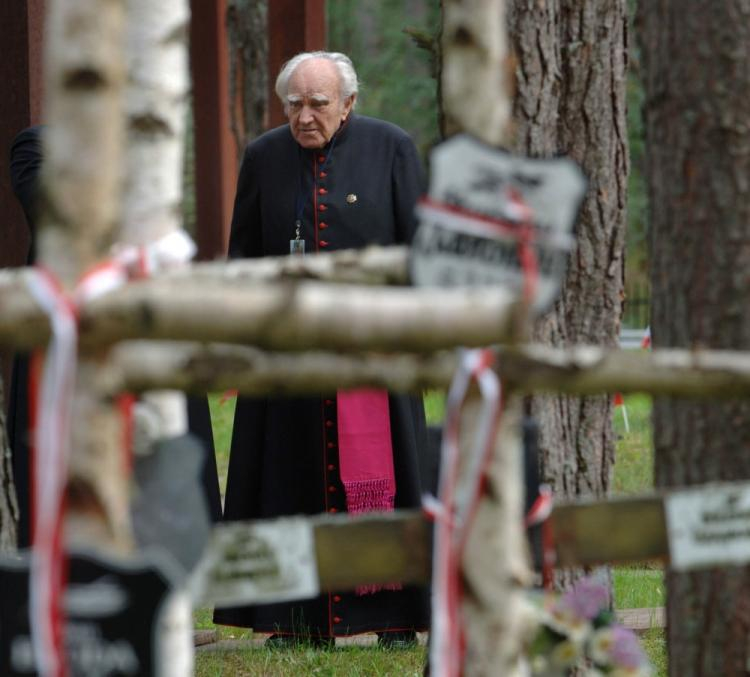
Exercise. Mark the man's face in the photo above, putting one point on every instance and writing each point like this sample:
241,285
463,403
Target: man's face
314,104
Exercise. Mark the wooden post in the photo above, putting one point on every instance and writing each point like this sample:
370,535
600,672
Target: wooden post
215,151
21,28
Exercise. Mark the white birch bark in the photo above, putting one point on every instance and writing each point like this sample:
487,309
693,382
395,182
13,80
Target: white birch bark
475,86
144,365
475,78
84,80
496,615
286,315
156,109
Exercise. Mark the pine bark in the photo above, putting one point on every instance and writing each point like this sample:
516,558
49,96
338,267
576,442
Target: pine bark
8,505
571,69
247,27
696,67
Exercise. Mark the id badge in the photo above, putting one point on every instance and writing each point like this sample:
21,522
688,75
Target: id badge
297,245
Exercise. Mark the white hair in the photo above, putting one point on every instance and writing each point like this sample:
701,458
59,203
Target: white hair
348,81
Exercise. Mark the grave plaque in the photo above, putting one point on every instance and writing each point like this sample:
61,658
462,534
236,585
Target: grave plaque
256,563
112,611
491,217
708,526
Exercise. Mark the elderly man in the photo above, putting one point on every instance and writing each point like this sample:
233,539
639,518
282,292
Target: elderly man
328,180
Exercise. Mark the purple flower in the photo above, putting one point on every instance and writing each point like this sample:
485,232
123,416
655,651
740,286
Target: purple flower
625,650
586,599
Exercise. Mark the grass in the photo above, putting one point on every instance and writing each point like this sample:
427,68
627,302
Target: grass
222,407
347,661
434,406
638,586
634,466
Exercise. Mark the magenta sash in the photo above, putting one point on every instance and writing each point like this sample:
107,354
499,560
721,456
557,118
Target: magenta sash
366,450
366,457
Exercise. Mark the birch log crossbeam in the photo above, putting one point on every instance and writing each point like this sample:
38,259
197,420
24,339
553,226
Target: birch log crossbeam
372,265
229,306
301,316
139,366
348,552
397,546
284,315
146,365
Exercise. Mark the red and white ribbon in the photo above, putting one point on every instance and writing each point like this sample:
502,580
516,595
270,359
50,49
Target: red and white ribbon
458,500
539,513
52,416
51,441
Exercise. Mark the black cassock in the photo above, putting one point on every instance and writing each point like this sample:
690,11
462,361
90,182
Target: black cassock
361,189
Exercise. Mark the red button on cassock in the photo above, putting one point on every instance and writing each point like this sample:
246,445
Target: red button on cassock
332,510
324,243
331,489
331,466
322,225
330,445
337,598
337,619
328,402
322,191
322,208
329,424
321,158
323,175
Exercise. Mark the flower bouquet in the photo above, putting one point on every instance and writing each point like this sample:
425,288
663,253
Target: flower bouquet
577,629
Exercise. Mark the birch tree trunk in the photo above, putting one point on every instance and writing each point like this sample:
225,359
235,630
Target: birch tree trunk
696,75
494,566
571,74
156,113
80,183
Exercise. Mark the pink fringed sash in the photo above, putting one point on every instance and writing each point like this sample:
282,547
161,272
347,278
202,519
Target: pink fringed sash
366,456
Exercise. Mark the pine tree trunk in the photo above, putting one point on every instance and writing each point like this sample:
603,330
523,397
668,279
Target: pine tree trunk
8,505
571,73
697,75
247,27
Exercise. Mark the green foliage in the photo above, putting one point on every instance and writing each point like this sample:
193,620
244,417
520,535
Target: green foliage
397,82
636,259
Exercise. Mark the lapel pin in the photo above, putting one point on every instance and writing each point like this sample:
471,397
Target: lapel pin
351,198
